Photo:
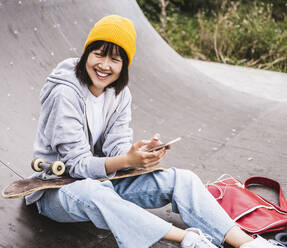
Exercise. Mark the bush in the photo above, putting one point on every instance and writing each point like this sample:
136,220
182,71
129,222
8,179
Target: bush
152,10
242,35
238,33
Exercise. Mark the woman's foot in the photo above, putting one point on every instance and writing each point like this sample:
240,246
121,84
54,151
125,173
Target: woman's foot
194,238
260,243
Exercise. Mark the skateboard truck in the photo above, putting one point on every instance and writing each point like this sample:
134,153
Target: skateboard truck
46,176
48,171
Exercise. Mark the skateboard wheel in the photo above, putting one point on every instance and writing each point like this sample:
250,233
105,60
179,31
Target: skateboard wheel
35,164
58,168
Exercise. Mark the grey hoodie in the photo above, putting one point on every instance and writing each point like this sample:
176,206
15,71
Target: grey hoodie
63,131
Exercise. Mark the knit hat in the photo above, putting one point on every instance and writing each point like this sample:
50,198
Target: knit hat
115,29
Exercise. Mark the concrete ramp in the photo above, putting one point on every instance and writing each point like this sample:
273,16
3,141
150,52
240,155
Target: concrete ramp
223,130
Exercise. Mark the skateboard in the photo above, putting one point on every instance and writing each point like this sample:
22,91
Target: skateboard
52,177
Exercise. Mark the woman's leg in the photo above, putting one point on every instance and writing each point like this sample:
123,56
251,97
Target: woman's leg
91,200
235,236
188,196
175,234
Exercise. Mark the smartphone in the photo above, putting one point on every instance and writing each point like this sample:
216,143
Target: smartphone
164,145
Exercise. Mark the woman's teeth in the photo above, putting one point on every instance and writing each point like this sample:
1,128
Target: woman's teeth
102,74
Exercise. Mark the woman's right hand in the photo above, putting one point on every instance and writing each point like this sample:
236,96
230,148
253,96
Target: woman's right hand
138,157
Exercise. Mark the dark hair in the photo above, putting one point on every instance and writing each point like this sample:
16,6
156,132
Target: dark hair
108,48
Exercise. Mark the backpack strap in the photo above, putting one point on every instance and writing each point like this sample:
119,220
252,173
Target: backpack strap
271,183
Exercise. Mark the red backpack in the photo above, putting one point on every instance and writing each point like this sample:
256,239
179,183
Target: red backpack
252,212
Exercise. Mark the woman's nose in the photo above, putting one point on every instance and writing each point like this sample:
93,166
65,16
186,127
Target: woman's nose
105,63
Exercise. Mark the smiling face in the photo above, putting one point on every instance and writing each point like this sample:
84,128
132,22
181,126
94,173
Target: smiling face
104,67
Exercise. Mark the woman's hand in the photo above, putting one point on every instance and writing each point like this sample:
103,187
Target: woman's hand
155,141
138,156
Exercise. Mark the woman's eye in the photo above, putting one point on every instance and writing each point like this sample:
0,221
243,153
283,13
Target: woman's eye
98,53
116,59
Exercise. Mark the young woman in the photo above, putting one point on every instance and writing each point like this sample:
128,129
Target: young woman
84,122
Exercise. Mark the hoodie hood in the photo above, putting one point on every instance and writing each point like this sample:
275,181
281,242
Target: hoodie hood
64,73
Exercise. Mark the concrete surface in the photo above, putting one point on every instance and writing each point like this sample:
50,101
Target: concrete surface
224,130
262,83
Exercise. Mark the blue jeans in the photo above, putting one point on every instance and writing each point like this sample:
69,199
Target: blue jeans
119,206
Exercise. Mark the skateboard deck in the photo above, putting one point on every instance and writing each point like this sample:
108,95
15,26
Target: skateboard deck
21,188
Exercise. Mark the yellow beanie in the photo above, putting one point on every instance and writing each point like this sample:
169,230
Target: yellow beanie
115,29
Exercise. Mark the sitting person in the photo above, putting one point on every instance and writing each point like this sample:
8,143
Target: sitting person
84,122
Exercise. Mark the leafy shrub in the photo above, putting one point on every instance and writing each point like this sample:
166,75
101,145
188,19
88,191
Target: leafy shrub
244,35
239,34
151,7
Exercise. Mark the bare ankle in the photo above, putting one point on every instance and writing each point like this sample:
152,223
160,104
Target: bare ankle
175,234
236,237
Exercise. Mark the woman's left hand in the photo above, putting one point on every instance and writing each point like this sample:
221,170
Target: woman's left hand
138,156
155,141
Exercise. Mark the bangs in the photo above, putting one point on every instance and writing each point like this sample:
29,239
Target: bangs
109,48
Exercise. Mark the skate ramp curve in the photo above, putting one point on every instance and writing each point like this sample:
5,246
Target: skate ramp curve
223,130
